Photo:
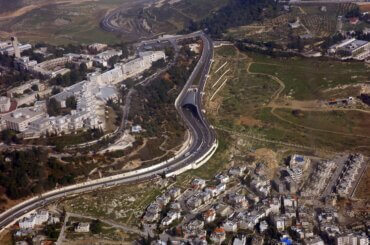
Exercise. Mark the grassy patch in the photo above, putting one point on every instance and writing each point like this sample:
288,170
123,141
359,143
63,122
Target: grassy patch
305,79
242,104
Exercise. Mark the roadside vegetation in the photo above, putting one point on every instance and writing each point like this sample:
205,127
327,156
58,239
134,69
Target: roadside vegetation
30,172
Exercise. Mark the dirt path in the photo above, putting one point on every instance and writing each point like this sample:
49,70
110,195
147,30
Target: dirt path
276,96
277,93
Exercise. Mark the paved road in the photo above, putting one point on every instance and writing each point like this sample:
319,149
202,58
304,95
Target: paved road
203,140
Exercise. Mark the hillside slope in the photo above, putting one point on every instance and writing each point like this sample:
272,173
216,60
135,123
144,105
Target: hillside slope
12,5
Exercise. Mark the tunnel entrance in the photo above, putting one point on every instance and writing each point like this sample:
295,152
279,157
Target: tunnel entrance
193,109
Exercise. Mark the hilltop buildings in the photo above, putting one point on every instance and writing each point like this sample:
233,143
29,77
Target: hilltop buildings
132,68
13,47
351,48
90,95
34,220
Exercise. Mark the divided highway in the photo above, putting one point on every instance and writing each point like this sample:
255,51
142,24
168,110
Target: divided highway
202,145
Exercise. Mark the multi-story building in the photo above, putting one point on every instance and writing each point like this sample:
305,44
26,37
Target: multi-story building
351,48
34,220
20,119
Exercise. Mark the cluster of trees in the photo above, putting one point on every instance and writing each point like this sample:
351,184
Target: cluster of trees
53,107
76,75
96,226
9,136
269,51
71,103
336,38
117,109
13,78
6,60
72,139
59,51
365,98
355,12
157,112
33,56
361,35
235,13
30,172
52,231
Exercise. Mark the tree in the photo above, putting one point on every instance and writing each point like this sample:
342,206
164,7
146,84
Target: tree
53,107
158,64
74,76
71,102
51,231
55,90
169,52
35,87
96,226
113,60
83,68
7,136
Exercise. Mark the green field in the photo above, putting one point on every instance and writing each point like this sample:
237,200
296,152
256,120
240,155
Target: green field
305,78
242,106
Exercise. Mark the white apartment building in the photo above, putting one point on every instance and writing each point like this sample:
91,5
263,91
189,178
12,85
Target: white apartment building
33,220
10,50
20,89
352,239
20,119
24,63
130,69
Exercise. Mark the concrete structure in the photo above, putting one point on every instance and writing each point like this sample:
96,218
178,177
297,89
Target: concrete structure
27,85
136,129
51,68
198,184
17,51
34,220
24,63
171,217
98,47
351,48
20,119
13,47
122,71
218,235
209,215
4,104
82,227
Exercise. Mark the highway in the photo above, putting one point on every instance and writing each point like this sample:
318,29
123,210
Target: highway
201,147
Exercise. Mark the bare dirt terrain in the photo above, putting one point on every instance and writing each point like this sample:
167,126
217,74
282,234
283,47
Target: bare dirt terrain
26,9
59,21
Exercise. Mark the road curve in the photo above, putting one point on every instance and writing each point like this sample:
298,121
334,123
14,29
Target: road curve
201,147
